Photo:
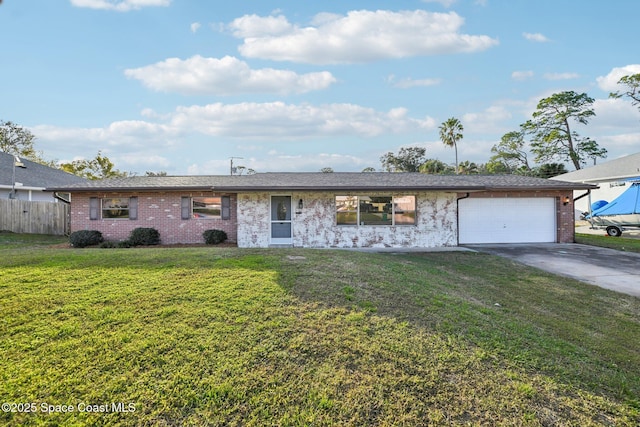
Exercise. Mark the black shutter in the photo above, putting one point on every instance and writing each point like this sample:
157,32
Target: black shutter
94,208
133,208
185,207
226,207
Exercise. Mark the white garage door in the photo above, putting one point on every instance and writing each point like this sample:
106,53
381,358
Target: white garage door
507,220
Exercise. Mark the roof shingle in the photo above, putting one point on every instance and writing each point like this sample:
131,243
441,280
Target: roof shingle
35,175
342,181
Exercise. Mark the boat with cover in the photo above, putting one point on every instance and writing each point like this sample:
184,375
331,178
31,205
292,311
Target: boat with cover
621,213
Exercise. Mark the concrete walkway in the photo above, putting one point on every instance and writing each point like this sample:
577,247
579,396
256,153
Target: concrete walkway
607,268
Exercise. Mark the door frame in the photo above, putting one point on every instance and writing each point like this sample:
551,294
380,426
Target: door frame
280,240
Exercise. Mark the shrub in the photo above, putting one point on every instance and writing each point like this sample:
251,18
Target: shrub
84,238
124,244
144,237
213,237
107,245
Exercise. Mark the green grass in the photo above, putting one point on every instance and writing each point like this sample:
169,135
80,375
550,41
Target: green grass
225,336
9,240
618,243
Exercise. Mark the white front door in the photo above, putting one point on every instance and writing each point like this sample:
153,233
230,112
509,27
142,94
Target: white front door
281,220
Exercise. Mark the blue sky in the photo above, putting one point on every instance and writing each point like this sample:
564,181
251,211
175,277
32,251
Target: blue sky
183,85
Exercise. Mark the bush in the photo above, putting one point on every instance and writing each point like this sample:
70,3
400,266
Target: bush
144,237
124,244
107,245
84,238
213,237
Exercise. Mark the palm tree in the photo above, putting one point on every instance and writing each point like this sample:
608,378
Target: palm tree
468,168
450,134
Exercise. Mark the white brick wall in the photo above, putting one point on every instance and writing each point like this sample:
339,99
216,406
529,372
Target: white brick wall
315,225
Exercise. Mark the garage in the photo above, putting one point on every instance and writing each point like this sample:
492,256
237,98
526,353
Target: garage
507,220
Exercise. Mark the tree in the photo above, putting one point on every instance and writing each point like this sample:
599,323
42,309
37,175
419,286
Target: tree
149,173
369,169
435,167
17,140
408,159
510,151
552,135
468,168
632,89
98,168
549,170
450,134
496,166
326,170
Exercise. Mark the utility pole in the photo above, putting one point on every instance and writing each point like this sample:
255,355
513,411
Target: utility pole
231,171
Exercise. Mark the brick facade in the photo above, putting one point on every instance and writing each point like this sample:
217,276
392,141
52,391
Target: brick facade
565,219
312,226
160,210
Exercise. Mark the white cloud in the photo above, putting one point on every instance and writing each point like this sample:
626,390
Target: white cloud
616,115
249,26
275,121
266,129
521,75
561,76
360,36
126,135
278,121
490,120
535,37
195,27
609,83
225,76
143,160
119,5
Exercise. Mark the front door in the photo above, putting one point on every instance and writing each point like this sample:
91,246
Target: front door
281,220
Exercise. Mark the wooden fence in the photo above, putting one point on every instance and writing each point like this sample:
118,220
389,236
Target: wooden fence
22,216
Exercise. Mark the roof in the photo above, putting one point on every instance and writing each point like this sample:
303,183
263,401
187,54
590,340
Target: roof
614,170
34,176
337,181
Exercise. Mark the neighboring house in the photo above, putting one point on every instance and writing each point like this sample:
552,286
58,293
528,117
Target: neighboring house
342,210
612,178
31,179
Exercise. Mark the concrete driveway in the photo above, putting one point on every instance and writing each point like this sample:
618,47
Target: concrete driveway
607,268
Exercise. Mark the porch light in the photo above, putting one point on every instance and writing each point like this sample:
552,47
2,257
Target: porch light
300,205
566,200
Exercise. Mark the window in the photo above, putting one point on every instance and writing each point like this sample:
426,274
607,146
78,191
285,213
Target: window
347,210
376,210
404,210
206,207
214,207
116,208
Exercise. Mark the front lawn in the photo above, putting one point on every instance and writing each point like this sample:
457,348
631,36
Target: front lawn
227,336
618,243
